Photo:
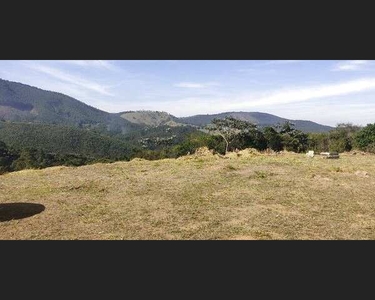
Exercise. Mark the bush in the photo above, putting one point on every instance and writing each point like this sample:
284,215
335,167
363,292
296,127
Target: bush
6,158
293,139
365,138
273,139
319,142
341,139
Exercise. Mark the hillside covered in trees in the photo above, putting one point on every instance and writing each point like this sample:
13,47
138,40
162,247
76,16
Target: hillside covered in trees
63,140
23,103
41,128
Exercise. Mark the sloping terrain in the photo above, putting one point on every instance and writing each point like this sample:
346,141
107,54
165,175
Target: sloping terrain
151,118
24,103
251,196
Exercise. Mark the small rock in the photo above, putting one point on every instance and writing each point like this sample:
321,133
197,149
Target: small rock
361,174
310,154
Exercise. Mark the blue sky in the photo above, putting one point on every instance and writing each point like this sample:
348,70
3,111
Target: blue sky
324,91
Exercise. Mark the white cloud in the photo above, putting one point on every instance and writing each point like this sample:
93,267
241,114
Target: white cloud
73,79
101,64
350,65
308,93
200,96
330,113
261,101
195,85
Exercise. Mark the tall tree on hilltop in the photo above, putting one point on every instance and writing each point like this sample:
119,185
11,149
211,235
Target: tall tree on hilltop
234,131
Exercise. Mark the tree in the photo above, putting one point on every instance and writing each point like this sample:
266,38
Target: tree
273,138
233,131
6,158
28,159
365,138
341,138
293,139
318,142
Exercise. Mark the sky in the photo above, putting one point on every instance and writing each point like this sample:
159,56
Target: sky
324,91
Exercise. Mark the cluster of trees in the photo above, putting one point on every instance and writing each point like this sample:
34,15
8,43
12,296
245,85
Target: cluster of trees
14,160
64,140
345,137
365,138
238,134
31,145
228,134
26,146
157,138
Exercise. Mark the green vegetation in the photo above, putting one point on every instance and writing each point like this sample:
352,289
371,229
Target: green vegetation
6,158
238,134
42,128
345,137
365,139
274,140
342,138
319,142
151,118
42,145
23,103
293,139
229,134
29,158
156,138
198,140
64,140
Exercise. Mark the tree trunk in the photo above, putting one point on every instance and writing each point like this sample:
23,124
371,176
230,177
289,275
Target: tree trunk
226,143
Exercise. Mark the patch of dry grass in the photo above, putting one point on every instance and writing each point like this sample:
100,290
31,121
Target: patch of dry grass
246,196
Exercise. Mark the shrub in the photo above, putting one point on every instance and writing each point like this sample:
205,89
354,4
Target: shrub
365,138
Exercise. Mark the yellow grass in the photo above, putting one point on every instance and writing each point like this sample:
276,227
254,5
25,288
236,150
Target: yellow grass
242,196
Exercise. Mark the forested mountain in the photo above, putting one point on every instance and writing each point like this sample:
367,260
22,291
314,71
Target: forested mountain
261,119
63,140
41,129
157,118
23,103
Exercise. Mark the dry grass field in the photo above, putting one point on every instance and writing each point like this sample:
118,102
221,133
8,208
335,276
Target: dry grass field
251,196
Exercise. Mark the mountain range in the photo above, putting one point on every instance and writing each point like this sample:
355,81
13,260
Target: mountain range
259,118
23,103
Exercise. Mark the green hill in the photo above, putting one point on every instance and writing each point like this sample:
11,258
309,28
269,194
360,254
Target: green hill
151,118
23,103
